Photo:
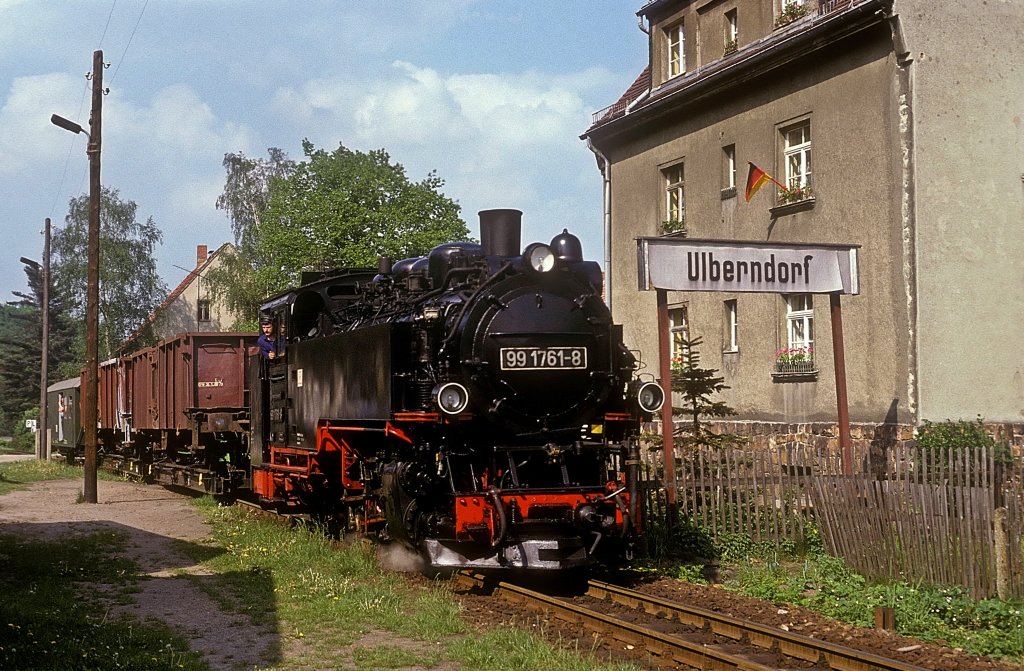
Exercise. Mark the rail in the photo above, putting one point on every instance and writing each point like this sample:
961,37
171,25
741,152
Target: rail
713,641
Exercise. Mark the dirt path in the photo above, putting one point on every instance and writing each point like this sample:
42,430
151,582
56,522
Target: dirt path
155,522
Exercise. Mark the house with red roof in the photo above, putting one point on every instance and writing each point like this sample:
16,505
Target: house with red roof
190,307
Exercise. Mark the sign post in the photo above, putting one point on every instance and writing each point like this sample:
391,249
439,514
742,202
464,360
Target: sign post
668,441
737,266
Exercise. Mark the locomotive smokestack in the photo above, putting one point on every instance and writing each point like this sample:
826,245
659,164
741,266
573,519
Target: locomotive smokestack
500,232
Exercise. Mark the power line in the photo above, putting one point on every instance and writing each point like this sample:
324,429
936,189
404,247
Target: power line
111,14
85,90
67,159
130,38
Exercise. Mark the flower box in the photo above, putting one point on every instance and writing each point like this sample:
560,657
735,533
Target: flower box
795,362
795,367
791,11
795,194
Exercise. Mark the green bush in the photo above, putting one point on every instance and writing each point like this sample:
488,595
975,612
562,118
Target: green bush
23,440
685,540
960,436
829,586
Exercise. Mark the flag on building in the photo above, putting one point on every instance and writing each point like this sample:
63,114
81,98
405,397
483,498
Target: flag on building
757,178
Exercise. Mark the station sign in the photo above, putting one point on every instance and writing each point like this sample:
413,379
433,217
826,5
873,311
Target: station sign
731,266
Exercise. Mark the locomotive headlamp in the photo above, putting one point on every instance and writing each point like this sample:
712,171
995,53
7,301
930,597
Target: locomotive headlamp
650,397
539,257
451,397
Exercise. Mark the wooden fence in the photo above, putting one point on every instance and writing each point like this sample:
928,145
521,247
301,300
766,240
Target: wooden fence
953,518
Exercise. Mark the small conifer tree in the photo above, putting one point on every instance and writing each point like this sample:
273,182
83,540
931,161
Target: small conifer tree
698,385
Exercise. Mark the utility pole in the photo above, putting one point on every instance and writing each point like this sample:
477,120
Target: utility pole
90,392
42,451
90,414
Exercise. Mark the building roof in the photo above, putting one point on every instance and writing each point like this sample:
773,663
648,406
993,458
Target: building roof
830,23
192,276
636,91
65,384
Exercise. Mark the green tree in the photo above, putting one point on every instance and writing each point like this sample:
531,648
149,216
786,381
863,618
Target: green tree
21,336
19,365
245,199
130,288
697,386
338,208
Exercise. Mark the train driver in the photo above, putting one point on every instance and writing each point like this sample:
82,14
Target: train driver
271,345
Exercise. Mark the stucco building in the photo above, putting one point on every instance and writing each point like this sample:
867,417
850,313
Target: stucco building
896,125
191,306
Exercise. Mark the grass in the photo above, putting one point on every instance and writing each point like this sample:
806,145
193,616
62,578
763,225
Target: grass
54,616
989,627
16,475
325,602
19,474
806,576
326,597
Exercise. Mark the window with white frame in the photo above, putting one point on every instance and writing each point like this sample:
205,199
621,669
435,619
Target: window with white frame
732,30
679,334
203,310
675,196
729,167
797,155
800,325
731,340
675,41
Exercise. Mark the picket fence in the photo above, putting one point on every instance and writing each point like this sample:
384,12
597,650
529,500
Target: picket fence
948,518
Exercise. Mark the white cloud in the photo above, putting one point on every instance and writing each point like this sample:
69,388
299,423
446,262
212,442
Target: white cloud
497,139
418,105
27,133
176,125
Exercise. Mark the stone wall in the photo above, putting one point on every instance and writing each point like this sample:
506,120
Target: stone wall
871,442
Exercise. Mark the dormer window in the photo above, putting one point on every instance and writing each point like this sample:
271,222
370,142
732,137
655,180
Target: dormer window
675,42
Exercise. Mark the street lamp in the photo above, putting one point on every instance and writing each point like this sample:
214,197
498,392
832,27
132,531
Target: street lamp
44,362
58,120
90,410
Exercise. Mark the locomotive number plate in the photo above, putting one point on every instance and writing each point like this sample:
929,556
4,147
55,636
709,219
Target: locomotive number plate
543,358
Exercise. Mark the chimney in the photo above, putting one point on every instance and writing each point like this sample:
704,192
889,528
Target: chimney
200,255
500,232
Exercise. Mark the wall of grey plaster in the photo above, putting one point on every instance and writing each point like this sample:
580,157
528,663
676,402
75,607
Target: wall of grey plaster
847,95
967,108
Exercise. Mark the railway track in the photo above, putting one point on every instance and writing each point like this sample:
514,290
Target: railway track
673,635
676,635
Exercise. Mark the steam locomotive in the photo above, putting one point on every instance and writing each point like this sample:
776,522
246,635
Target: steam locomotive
476,404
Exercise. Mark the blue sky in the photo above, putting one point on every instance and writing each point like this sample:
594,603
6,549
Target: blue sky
491,94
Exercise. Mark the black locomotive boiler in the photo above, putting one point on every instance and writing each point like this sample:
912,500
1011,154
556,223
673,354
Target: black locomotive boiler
476,404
